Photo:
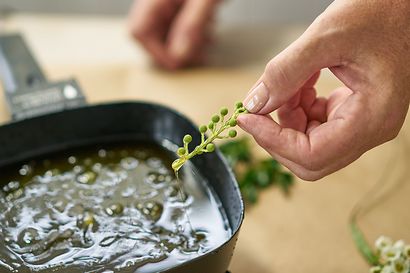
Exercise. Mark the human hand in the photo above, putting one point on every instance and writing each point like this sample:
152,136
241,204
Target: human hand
174,32
364,43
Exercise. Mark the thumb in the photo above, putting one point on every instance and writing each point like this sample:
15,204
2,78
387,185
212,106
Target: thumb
286,73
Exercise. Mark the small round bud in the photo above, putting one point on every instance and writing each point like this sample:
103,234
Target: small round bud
202,129
238,105
175,165
210,147
200,152
232,133
215,119
187,138
211,125
181,151
224,111
232,122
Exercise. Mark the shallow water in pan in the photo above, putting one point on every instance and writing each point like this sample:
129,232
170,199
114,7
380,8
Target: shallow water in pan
105,209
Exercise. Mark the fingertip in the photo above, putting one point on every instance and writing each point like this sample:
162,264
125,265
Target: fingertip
167,64
318,110
180,49
313,124
171,65
243,122
158,52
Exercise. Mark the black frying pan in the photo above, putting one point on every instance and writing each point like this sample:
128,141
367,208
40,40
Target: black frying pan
53,117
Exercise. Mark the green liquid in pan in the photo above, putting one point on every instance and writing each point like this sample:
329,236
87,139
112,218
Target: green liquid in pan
105,209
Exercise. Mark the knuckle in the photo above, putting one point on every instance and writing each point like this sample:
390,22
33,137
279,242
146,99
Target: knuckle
392,134
307,175
275,75
313,164
393,124
311,177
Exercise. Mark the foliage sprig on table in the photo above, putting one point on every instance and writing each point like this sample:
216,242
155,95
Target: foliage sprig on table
218,125
254,175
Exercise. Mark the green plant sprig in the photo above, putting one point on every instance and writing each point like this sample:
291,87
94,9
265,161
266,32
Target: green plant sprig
253,174
216,127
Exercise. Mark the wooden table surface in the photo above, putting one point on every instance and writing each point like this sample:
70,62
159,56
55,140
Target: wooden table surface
307,232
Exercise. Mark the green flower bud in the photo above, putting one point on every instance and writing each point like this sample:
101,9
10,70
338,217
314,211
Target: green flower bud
238,105
224,111
187,138
181,151
203,129
233,133
215,119
210,147
211,125
176,164
232,122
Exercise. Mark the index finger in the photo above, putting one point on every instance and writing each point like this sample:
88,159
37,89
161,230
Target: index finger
158,51
145,23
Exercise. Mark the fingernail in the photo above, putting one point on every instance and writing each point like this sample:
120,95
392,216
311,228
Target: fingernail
257,98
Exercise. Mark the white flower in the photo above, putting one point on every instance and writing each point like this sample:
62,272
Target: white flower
376,269
406,251
387,269
400,266
390,254
399,245
383,242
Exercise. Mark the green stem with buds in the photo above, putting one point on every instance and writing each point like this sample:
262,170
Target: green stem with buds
217,126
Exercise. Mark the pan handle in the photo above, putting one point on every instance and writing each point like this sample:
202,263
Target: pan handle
28,93
18,67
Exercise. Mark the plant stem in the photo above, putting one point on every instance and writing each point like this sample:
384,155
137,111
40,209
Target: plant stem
178,163
361,243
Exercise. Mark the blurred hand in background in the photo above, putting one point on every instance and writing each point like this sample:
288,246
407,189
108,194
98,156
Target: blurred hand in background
364,43
174,32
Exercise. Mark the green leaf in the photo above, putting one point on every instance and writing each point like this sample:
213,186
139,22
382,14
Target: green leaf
271,164
248,178
250,194
263,179
236,151
285,181
256,175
